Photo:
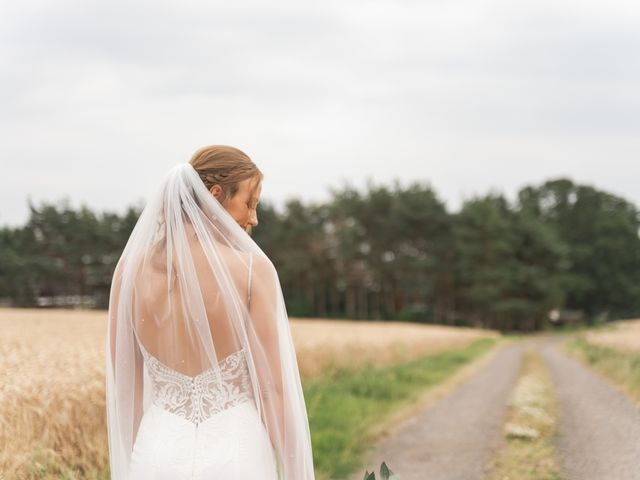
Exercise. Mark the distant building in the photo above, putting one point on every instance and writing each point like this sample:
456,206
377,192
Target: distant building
559,316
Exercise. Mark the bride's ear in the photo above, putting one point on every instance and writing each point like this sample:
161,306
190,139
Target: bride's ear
216,191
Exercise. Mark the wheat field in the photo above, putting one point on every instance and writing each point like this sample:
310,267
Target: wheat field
320,343
52,395
623,335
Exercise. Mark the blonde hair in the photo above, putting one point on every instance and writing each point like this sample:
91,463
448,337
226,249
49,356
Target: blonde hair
225,166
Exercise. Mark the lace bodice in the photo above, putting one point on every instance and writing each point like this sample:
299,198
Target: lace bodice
198,398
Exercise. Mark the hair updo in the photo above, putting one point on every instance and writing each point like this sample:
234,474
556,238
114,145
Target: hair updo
225,166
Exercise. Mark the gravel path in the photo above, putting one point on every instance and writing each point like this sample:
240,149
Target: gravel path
454,439
599,427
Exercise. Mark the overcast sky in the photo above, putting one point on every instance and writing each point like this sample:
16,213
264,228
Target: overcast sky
99,99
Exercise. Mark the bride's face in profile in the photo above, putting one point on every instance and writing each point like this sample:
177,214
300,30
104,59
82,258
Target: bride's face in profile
243,205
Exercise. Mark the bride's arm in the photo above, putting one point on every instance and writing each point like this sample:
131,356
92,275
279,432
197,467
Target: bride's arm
266,348
137,398
279,380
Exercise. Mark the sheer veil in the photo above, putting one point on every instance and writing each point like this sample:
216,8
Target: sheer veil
192,288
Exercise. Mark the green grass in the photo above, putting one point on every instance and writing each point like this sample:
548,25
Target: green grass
344,405
622,367
45,464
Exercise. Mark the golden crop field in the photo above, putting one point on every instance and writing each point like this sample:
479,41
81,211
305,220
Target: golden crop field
623,334
320,342
52,396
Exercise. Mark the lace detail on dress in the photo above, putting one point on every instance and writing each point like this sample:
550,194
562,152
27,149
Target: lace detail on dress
198,398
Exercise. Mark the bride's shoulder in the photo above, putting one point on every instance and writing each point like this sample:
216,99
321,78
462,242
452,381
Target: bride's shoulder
257,261
263,266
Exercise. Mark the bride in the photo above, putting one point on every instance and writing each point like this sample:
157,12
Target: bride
202,380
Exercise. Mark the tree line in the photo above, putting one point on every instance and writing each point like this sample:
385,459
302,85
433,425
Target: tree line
389,252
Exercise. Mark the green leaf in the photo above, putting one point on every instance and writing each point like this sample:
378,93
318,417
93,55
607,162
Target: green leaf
384,471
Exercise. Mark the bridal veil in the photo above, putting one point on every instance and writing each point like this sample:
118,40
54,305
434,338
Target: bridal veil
194,288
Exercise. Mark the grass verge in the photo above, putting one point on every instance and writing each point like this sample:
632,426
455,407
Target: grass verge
344,406
621,367
528,450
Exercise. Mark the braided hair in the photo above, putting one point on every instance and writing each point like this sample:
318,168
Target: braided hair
225,166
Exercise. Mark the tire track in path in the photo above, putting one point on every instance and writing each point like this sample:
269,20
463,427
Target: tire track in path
599,427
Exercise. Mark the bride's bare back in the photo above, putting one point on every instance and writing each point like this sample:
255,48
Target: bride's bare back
170,341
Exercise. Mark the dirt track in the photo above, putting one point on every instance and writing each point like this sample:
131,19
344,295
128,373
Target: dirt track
453,439
599,428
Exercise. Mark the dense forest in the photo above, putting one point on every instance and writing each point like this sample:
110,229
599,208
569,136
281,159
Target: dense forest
389,252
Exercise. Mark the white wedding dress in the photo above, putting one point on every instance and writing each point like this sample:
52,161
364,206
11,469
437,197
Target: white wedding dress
202,429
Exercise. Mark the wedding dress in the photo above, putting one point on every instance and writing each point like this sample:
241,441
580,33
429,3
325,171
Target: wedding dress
202,380
201,428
